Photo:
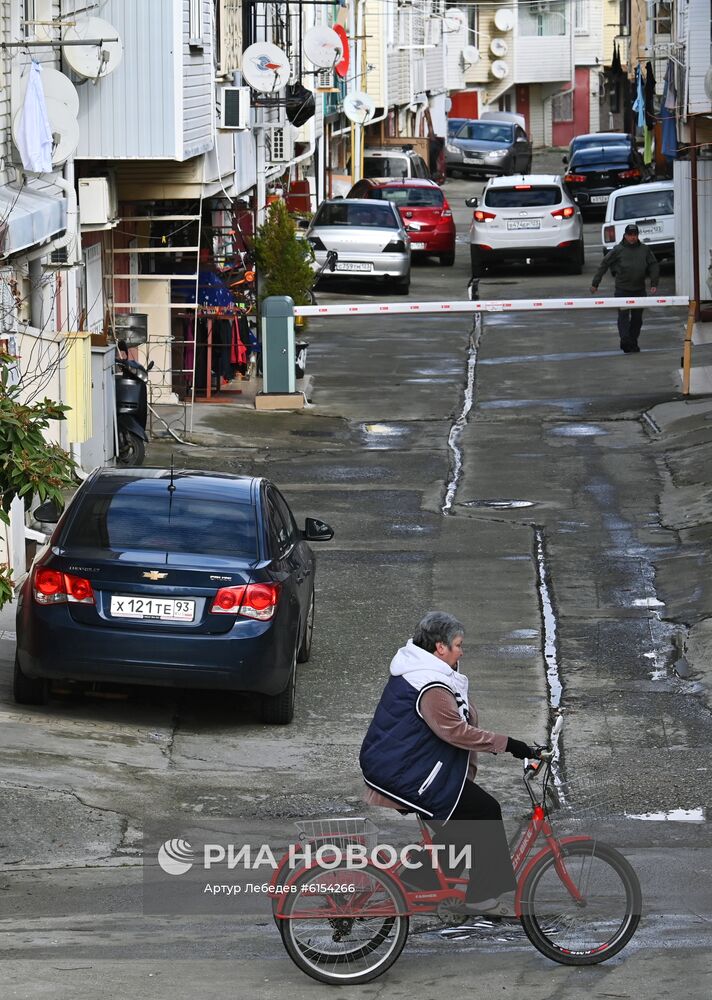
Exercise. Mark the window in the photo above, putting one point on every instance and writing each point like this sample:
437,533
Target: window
581,24
649,203
420,197
350,213
505,103
286,515
523,197
488,132
662,18
385,166
543,19
562,107
195,22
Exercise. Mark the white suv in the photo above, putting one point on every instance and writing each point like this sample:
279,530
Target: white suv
651,207
526,216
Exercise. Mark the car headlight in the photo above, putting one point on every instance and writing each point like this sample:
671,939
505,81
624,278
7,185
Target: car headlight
497,153
452,149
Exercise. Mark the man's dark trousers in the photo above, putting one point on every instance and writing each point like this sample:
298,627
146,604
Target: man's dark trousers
630,321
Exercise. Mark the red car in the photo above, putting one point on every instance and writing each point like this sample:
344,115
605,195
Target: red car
424,210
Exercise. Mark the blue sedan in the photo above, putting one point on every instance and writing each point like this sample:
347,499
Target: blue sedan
186,579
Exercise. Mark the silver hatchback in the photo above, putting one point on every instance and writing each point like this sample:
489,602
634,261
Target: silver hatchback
367,235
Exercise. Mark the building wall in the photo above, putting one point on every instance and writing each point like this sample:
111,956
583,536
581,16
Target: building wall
698,55
198,87
684,271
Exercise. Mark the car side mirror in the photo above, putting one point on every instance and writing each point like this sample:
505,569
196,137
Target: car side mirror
303,223
564,159
48,512
472,202
317,531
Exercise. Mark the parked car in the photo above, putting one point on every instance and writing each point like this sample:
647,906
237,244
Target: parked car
391,162
596,171
594,139
368,236
530,216
455,124
489,148
651,207
192,579
425,212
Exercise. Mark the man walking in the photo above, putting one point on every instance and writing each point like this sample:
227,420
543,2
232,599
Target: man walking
631,262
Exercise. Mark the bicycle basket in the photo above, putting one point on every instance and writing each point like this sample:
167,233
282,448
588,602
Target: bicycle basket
338,832
586,804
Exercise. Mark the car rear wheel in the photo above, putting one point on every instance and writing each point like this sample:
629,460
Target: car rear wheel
447,259
278,709
306,643
402,286
578,259
28,690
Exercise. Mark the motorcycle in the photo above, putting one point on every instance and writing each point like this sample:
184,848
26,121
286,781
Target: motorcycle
130,382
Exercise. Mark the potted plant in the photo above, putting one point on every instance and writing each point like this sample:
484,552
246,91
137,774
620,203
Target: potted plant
284,259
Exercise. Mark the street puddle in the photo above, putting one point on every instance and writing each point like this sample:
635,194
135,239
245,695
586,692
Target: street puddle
553,674
454,438
578,430
498,504
671,816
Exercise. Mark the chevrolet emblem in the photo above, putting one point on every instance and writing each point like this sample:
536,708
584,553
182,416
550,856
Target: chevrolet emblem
154,574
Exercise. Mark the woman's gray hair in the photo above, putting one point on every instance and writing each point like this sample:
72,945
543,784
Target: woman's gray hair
435,627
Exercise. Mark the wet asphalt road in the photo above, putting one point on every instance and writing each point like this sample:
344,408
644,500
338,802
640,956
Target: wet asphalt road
579,565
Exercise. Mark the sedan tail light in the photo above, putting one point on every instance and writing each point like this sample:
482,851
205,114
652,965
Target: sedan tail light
52,587
256,600
575,178
564,213
609,234
395,246
626,175
446,213
481,216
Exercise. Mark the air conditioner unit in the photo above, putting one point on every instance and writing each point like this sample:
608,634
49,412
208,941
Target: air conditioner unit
98,206
281,144
234,108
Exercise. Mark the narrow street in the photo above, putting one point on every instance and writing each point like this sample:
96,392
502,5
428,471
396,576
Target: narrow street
559,546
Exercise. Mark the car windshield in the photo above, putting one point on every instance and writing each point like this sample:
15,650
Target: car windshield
584,142
385,166
610,156
523,196
640,204
487,132
454,125
412,197
129,520
349,213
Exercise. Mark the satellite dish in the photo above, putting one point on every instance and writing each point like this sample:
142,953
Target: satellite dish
93,61
454,20
265,67
323,47
470,55
359,107
498,47
64,127
504,19
500,69
56,86
342,67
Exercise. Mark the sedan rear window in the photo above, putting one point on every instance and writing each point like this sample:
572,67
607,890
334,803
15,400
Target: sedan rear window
606,156
122,521
535,196
385,166
645,203
349,213
414,197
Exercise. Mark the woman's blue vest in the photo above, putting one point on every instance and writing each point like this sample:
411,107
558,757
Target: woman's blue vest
402,758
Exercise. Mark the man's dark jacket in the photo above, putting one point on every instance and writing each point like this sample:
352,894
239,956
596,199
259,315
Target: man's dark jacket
631,263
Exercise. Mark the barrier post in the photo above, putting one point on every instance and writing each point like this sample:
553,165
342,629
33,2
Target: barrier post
687,348
278,376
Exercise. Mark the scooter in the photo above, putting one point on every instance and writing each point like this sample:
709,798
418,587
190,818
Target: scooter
131,408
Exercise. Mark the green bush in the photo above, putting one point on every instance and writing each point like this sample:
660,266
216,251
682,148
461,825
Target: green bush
283,258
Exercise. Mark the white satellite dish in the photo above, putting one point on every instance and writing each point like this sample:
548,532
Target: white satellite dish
56,86
470,55
454,20
359,107
323,47
499,69
64,126
266,67
499,48
504,19
93,61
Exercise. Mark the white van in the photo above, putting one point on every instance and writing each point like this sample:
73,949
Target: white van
651,207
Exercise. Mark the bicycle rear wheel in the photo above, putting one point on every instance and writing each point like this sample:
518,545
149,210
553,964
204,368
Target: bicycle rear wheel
342,936
601,924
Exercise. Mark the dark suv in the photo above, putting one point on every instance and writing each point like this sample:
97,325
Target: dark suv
595,171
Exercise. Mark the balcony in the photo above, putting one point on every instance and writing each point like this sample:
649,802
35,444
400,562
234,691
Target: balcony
542,51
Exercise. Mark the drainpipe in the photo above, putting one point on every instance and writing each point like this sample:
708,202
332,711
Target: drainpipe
695,218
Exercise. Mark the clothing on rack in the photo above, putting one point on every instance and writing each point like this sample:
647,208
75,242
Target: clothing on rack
650,116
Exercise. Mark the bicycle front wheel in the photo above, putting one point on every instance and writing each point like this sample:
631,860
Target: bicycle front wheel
596,925
344,925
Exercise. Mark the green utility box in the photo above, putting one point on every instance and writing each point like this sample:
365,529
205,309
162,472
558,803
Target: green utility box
278,344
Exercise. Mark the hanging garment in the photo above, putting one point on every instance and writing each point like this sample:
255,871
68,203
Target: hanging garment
670,90
639,102
650,117
34,135
647,145
616,67
668,143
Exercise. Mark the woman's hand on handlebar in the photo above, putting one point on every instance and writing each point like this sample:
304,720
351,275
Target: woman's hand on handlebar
520,749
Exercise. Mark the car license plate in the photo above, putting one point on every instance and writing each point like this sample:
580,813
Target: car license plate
418,246
349,265
599,199
524,224
474,156
164,609
650,230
